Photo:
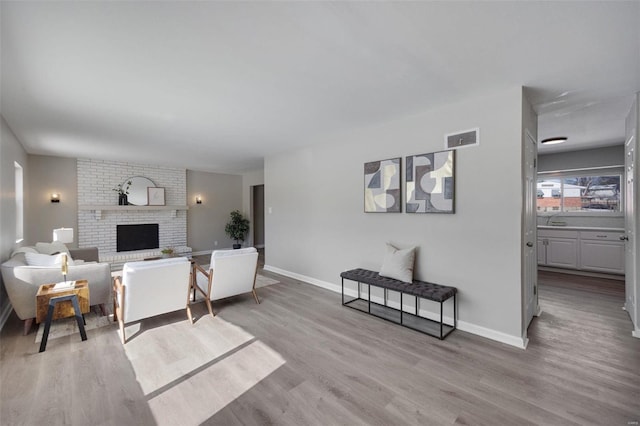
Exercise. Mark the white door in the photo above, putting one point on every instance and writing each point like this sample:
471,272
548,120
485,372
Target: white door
530,259
630,220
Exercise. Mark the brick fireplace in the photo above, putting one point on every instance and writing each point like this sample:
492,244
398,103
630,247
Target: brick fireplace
99,229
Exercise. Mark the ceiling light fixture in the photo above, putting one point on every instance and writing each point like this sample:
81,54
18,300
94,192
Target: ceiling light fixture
553,141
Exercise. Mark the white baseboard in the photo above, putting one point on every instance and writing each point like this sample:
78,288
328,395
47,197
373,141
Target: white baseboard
636,333
488,333
4,315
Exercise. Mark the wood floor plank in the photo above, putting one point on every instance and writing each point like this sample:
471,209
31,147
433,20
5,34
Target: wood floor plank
340,366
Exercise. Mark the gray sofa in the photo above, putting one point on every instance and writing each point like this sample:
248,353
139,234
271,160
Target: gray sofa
22,281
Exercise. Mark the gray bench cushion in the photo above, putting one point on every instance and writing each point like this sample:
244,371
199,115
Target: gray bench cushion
435,292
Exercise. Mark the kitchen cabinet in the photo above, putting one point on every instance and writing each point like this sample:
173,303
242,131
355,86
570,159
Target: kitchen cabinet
560,248
585,249
602,251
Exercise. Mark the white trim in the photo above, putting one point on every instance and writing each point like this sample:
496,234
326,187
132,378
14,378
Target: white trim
636,334
259,246
498,336
4,316
488,333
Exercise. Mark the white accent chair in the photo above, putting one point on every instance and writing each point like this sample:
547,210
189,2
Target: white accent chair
231,272
150,288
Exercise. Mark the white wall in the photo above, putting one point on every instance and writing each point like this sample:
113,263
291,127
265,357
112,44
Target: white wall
317,227
11,150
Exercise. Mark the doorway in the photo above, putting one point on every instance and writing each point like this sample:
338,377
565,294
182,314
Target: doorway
257,207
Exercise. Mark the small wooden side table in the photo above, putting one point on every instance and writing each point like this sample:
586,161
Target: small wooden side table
63,309
54,304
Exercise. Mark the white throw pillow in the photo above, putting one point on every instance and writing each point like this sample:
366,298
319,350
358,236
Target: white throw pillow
398,264
39,259
51,248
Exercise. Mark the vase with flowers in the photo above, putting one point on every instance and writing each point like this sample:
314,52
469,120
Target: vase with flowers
123,191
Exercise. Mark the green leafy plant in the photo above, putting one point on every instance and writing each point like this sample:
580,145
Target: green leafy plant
122,188
237,227
167,250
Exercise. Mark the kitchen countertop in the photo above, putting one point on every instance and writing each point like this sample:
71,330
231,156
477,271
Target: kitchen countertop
581,228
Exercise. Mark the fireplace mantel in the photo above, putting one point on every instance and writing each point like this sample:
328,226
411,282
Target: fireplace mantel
98,209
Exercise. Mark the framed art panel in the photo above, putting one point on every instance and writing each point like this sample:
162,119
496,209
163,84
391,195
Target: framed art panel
430,182
382,186
156,196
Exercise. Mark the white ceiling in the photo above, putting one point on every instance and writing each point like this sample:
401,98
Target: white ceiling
220,85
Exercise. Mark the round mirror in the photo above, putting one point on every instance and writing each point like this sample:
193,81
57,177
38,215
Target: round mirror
138,190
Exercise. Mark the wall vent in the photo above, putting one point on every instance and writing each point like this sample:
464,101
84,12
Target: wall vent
462,139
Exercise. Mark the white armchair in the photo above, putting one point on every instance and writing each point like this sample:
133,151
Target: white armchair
231,272
151,288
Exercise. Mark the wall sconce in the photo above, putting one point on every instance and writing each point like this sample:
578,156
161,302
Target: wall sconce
198,199
55,198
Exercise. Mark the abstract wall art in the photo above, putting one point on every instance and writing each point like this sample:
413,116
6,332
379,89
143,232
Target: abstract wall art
382,186
430,182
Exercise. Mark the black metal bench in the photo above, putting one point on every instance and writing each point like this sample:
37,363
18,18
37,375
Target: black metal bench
418,289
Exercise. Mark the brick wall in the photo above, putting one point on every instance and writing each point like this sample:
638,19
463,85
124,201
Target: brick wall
95,182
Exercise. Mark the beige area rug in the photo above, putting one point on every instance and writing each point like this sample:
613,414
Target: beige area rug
190,372
66,326
262,281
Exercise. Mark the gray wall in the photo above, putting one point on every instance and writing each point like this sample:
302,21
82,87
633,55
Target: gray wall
317,227
598,157
221,194
10,150
47,175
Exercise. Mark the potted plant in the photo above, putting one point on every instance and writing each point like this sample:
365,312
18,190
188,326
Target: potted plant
123,191
237,228
167,252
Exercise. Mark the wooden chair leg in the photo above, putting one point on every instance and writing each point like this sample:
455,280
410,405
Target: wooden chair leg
208,302
122,338
27,326
255,296
189,313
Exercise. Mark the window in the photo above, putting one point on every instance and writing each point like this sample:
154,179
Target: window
19,191
591,192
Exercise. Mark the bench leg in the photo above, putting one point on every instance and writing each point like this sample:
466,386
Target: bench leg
441,319
401,309
343,291
455,312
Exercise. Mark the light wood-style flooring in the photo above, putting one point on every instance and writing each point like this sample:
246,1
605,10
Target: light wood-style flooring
340,367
